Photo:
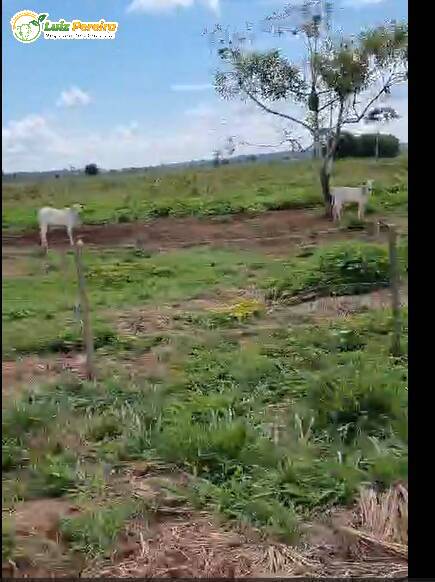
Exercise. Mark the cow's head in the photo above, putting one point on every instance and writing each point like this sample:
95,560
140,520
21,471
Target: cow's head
77,208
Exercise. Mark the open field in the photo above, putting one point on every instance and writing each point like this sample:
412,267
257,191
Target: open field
248,417
226,190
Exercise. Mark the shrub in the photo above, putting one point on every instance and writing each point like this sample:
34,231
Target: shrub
8,540
54,476
104,426
359,396
95,532
205,447
22,417
13,454
342,269
92,170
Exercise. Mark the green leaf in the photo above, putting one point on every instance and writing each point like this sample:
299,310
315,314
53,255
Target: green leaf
35,22
42,17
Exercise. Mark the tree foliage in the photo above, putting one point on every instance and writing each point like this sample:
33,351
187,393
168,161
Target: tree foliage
365,146
336,85
388,145
92,170
348,145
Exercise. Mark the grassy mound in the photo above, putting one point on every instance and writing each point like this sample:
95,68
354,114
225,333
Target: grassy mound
347,268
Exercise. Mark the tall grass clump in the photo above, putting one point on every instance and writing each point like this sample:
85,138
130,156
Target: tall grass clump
95,532
347,268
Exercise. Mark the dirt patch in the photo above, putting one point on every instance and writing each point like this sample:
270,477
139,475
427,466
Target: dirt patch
273,231
11,268
153,320
198,547
369,540
186,549
148,365
343,306
39,551
28,372
145,321
41,517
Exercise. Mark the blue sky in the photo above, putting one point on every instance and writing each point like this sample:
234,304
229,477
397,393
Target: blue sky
144,97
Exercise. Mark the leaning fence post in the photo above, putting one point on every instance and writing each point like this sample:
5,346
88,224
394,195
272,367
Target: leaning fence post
84,302
395,288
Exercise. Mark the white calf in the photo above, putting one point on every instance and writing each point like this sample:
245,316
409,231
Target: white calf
341,196
68,217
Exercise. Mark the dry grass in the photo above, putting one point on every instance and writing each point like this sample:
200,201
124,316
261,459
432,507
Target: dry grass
386,515
194,546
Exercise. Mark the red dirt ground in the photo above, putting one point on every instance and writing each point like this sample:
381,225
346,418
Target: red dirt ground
274,230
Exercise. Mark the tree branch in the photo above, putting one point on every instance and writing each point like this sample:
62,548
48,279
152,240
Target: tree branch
366,108
360,116
328,104
294,143
277,113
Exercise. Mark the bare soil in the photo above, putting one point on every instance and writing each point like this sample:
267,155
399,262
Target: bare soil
273,230
343,306
41,516
27,372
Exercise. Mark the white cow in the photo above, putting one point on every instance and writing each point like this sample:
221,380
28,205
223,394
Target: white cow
68,217
341,196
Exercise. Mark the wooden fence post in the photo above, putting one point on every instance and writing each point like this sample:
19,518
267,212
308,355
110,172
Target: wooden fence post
84,302
395,288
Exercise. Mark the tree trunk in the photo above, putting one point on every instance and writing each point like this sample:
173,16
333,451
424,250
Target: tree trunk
328,160
316,145
325,175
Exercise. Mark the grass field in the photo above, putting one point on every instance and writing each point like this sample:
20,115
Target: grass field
220,391
226,190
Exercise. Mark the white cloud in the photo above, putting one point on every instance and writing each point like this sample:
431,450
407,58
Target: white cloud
360,3
128,132
201,110
26,142
192,87
168,5
39,143
73,97
34,143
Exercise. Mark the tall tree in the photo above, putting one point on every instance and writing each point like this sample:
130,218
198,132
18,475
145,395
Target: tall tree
338,81
380,115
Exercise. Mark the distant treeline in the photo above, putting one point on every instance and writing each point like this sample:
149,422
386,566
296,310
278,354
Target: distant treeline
368,145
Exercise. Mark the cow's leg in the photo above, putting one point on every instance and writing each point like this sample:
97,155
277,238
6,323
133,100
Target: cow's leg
43,230
70,236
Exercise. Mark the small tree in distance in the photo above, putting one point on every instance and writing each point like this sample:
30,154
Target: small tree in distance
338,82
380,145
228,148
381,115
217,156
92,170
